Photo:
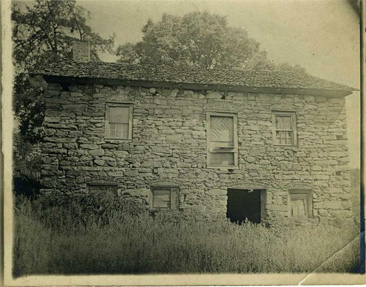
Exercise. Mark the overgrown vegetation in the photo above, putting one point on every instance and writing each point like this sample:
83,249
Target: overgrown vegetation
79,236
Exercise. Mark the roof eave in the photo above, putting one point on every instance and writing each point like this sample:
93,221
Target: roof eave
196,86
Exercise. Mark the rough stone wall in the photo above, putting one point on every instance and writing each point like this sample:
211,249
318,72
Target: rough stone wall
169,144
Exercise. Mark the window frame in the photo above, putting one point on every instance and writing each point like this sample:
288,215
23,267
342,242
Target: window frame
308,194
275,114
174,197
234,149
130,120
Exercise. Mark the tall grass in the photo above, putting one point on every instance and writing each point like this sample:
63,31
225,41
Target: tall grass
87,239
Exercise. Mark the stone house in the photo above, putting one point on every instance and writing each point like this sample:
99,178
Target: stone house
241,144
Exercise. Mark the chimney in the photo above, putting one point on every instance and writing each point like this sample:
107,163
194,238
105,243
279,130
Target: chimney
81,51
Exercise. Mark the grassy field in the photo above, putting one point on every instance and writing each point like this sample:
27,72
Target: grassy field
74,238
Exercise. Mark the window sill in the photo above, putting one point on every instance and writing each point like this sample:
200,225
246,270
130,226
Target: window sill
301,218
285,145
221,168
114,140
102,183
153,210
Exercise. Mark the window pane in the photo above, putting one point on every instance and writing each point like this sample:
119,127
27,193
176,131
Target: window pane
222,129
299,207
222,159
119,114
118,131
283,122
161,198
284,138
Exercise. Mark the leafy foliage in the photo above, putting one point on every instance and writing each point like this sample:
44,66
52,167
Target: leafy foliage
27,161
197,39
48,28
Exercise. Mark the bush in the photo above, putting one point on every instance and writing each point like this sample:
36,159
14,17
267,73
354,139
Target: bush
129,240
79,212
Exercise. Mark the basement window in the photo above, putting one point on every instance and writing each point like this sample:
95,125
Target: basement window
118,121
284,128
103,190
222,140
164,198
300,203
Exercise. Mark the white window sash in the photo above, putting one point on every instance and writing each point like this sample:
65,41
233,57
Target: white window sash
108,123
292,131
215,147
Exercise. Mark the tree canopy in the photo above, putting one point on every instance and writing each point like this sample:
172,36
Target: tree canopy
48,28
198,39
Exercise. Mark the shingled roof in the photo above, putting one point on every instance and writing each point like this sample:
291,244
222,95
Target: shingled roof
232,79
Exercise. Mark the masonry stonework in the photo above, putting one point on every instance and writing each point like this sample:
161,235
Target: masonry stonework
169,144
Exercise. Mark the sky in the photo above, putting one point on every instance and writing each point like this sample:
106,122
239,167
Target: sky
320,35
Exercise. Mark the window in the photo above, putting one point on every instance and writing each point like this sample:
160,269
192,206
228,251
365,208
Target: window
222,142
164,198
118,123
300,203
103,190
284,128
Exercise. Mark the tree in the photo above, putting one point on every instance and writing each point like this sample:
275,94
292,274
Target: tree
48,28
198,39
43,32
295,69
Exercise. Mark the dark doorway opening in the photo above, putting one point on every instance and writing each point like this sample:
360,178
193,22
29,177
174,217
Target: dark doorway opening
245,203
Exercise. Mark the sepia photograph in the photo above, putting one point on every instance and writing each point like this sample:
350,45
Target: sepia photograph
186,137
